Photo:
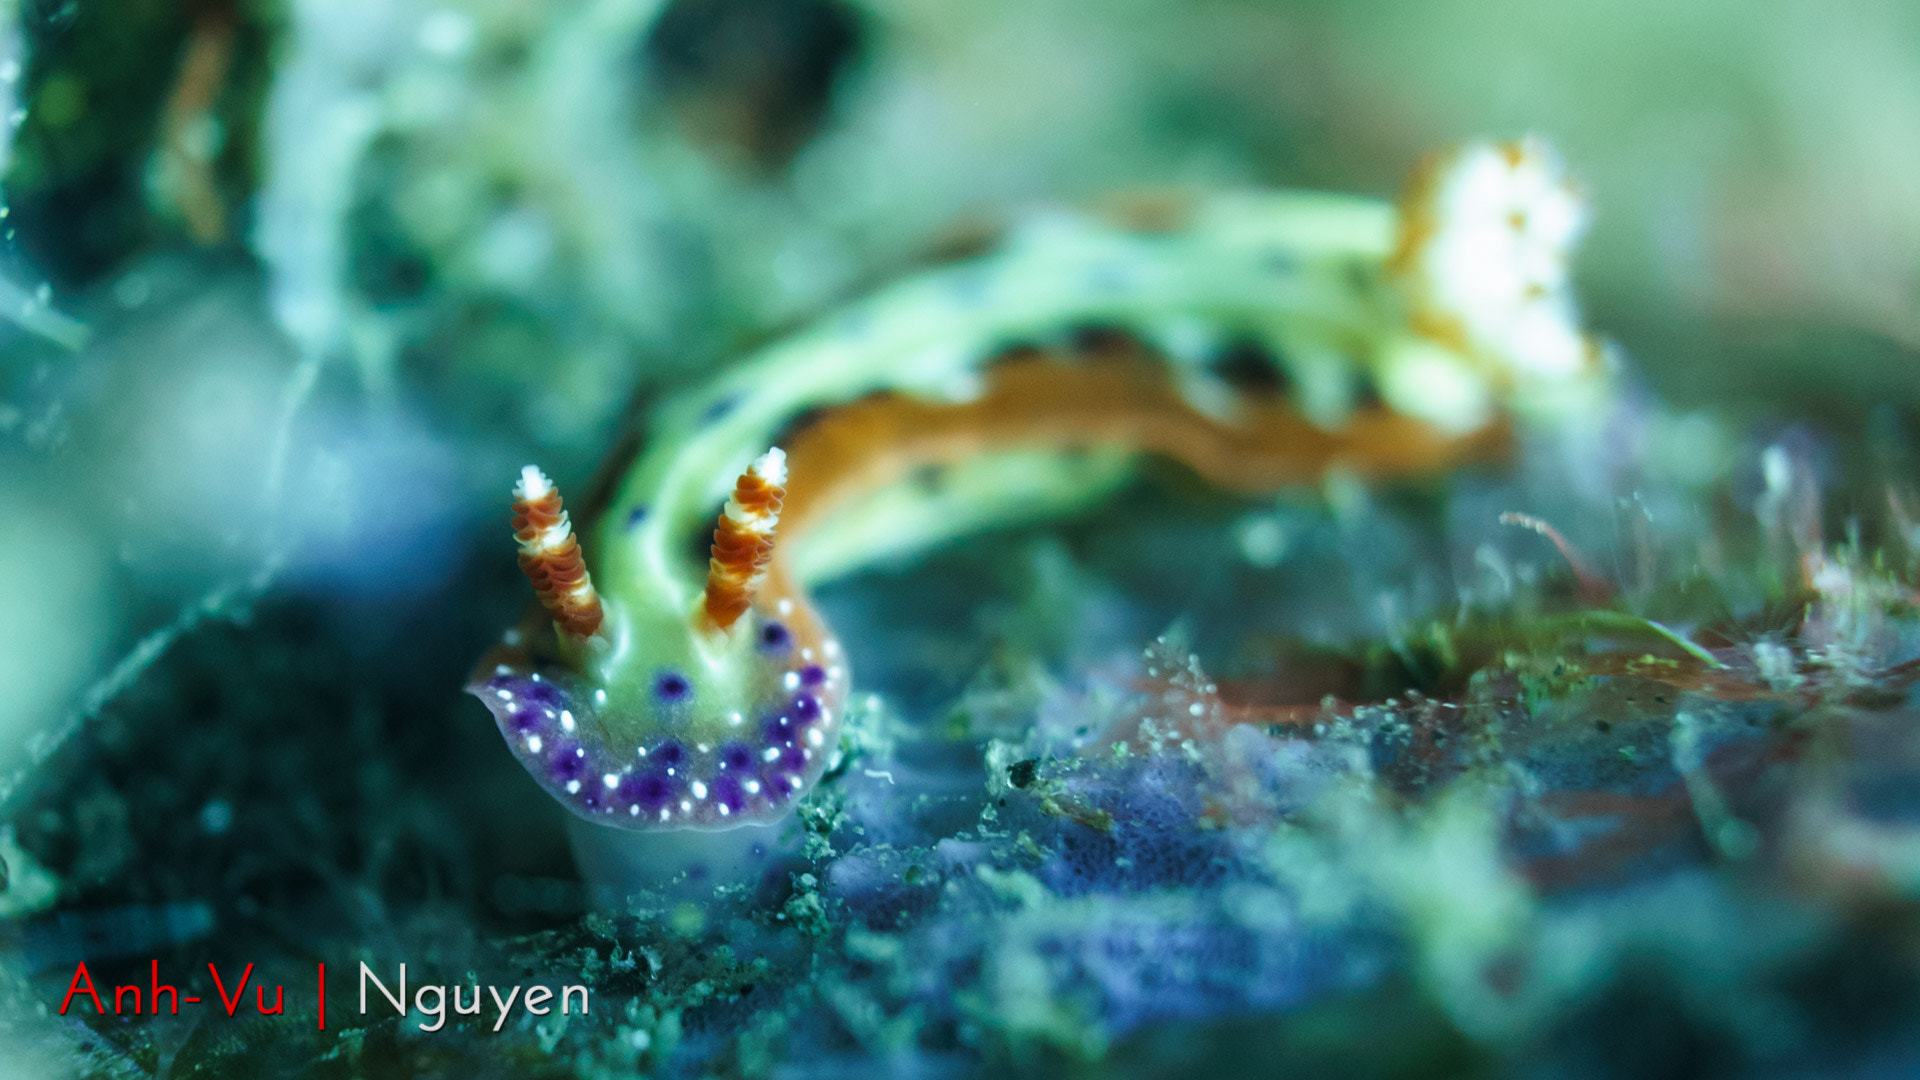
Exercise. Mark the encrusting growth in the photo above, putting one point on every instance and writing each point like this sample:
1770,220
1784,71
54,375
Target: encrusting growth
743,539
550,555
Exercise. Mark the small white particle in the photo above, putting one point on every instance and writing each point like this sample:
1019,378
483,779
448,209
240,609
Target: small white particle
703,748
723,810
813,737
573,787
533,743
699,789
832,647
793,781
612,780
669,772
502,669
566,720
633,811
503,695
664,814
599,697
536,677
771,753
735,719
1196,709
791,680
685,806
511,637
806,755
806,653
753,787
785,606
834,673
643,751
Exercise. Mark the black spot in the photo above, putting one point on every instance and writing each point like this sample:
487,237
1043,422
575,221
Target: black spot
1603,727
720,409
1021,773
758,75
1250,369
671,686
928,477
1366,389
1096,341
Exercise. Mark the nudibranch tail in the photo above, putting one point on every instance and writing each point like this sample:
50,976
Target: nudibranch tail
743,539
550,555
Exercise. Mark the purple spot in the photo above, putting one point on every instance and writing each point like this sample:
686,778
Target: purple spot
791,760
523,720
806,708
779,730
648,791
812,675
774,637
671,686
736,756
669,754
567,763
542,693
590,797
728,793
635,516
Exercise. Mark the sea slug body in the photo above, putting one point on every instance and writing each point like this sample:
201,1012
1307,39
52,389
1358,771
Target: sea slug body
688,682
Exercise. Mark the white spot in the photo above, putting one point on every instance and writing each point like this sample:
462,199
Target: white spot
503,695
1196,709
664,814
723,810
793,782
643,751
566,720
702,747
599,697
633,811
753,787
669,772
536,677
813,737
533,743
806,755
806,653
771,753
511,637
832,647
685,806
502,669
785,606
573,787
733,719
699,790
612,780
791,680
834,673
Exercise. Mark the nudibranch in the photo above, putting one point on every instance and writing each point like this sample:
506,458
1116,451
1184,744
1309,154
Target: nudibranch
687,682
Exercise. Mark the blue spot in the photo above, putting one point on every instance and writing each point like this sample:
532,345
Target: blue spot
806,708
774,637
719,409
635,516
668,754
524,720
647,791
727,793
671,686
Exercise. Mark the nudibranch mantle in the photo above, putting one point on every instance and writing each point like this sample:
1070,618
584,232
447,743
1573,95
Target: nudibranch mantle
1257,338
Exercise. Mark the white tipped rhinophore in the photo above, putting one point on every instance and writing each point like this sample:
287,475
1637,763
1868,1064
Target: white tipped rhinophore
1486,251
